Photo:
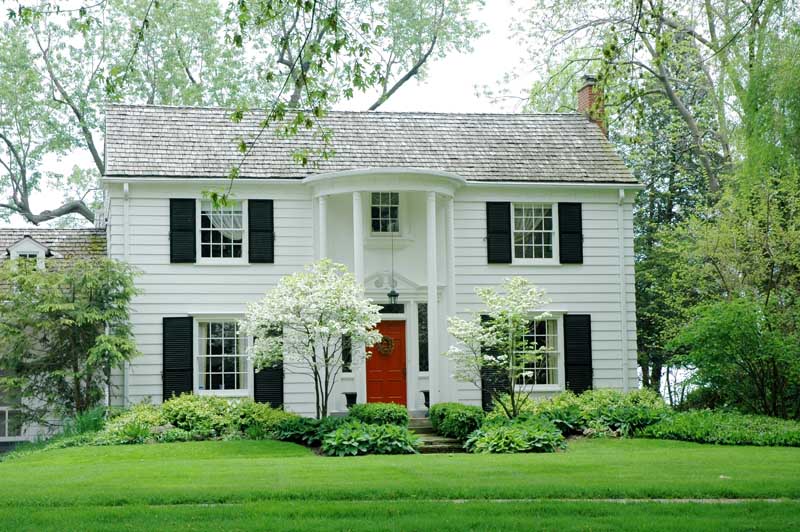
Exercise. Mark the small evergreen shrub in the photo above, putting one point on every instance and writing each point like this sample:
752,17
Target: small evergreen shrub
534,435
258,421
454,420
357,438
207,416
380,413
726,428
137,425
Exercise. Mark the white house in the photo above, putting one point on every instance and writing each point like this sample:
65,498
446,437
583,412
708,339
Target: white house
431,204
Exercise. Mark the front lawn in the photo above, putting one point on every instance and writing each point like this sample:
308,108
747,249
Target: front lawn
178,486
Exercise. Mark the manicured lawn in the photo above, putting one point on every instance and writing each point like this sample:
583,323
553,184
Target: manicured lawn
245,485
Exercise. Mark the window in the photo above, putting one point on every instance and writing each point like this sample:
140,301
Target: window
422,335
221,230
347,354
10,427
385,212
533,231
222,364
543,370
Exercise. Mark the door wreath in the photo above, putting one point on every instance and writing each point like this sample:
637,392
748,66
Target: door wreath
386,346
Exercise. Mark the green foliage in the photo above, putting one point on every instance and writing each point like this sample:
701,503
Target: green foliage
738,352
207,416
136,425
503,435
90,421
380,413
307,431
356,438
258,420
454,420
176,435
63,329
728,428
601,412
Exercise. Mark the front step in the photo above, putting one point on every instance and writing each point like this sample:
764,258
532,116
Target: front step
431,442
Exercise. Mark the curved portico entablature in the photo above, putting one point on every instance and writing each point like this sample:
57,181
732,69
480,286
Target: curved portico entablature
382,179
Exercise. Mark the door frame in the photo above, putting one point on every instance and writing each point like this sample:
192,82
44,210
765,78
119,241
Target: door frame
406,375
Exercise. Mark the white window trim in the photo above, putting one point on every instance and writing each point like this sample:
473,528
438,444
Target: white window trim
246,340
554,260
402,213
222,261
561,385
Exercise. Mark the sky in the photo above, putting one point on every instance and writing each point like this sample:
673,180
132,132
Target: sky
452,84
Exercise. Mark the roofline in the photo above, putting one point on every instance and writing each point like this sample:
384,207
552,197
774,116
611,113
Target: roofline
301,181
393,170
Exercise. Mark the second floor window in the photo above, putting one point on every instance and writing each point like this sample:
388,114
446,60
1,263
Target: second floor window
221,230
385,212
533,231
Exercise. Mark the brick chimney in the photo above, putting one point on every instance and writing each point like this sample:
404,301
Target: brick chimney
590,102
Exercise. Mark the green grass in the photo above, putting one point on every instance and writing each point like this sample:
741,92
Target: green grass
242,485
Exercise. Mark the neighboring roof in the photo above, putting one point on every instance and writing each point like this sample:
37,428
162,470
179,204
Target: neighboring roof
67,243
157,141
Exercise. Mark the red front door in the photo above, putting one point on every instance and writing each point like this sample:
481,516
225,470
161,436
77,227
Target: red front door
386,366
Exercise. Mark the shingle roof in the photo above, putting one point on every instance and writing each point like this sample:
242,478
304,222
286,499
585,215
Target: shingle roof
156,141
84,243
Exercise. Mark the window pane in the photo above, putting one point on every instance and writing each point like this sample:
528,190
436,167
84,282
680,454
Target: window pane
385,212
422,332
222,360
533,231
223,227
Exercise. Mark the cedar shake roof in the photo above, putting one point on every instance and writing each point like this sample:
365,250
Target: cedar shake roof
159,141
82,243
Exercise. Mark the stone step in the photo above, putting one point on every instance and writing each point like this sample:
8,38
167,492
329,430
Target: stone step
419,422
441,448
422,430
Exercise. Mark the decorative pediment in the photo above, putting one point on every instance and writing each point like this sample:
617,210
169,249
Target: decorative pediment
378,284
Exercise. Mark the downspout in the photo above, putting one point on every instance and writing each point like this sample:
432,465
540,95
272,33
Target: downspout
126,256
623,289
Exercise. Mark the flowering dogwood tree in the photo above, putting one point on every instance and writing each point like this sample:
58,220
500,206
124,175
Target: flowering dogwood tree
496,342
304,320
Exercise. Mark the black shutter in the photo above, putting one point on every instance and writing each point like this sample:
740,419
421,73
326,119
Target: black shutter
493,380
498,232
570,233
182,230
261,231
578,351
268,386
177,341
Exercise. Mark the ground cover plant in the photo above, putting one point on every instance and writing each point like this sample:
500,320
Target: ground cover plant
729,428
283,486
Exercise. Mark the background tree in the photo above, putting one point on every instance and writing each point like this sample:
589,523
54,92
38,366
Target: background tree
496,341
273,54
302,323
62,331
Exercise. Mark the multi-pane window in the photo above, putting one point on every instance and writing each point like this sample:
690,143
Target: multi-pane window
347,354
221,230
385,212
533,231
10,426
543,369
222,362
422,335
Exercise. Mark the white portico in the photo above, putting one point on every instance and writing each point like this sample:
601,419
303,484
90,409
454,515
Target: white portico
394,228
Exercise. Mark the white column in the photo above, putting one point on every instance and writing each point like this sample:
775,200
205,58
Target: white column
323,226
451,287
360,371
358,238
433,304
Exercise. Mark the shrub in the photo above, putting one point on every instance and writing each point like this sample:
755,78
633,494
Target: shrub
206,416
175,435
90,421
516,436
137,425
727,428
307,431
455,420
355,438
257,420
380,413
596,412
